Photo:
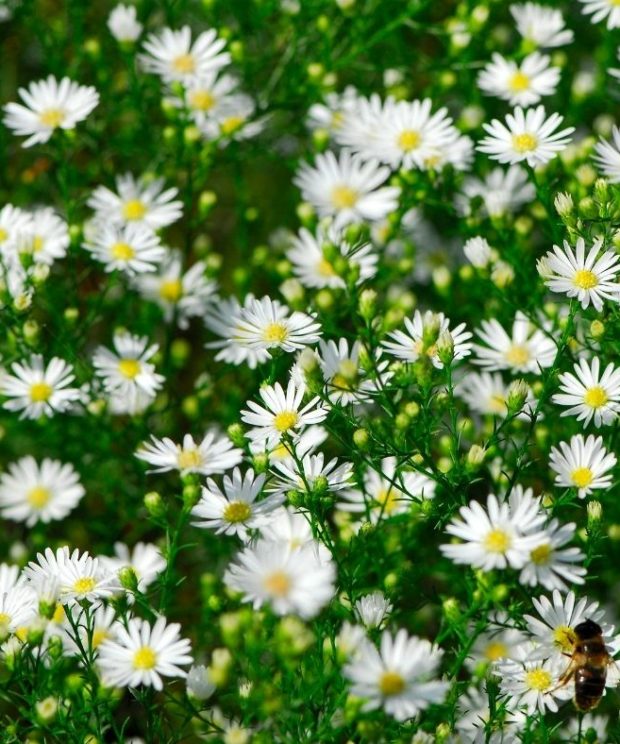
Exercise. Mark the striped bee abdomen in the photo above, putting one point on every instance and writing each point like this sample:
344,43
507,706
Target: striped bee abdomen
589,686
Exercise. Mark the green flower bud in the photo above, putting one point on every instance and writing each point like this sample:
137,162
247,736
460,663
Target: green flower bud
236,435
154,504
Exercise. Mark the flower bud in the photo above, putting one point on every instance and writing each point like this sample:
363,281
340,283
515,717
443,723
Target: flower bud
46,709
563,204
199,683
597,329
367,307
517,395
595,513
445,348
154,504
476,455
127,577
361,438
236,435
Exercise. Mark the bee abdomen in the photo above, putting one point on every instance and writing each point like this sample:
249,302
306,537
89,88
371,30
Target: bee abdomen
589,687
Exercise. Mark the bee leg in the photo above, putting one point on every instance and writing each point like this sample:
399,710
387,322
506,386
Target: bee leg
564,679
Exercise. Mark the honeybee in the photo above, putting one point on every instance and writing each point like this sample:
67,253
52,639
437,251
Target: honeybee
588,666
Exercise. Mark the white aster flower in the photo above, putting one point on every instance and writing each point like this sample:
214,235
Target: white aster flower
172,55
82,577
310,472
282,414
487,393
373,609
123,23
33,493
475,713
223,318
497,642
503,191
131,248
315,270
139,202
497,537
579,727
349,639
13,222
199,684
50,105
145,559
37,389
601,9
142,654
583,464
526,350
520,84
19,606
46,237
607,156
398,676
213,454
180,295
234,119
550,564
102,622
526,136
478,252
291,528
345,381
235,510
590,395
590,278
298,581
329,115
423,332
206,95
347,188
541,25
126,372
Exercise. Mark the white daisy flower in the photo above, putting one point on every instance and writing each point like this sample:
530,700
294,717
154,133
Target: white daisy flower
478,252
9,576
33,493
398,676
349,639
19,606
423,332
123,23
181,296
315,270
82,577
46,238
291,528
583,464
474,715
223,318
13,222
213,454
235,510
583,724
520,84
145,559
46,568
141,654
126,372
131,248
345,381
138,202
487,393
497,642
330,115
281,414
387,492
497,537
601,9
299,581
526,136
373,609
550,564
234,119
503,191
532,685
309,473
347,188
590,278
50,105
607,156
172,55
205,95
590,395
37,389
526,350
540,25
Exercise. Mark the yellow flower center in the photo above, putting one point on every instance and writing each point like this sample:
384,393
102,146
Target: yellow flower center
37,244
84,585
275,333
585,279
201,100
519,82
391,683
518,355
237,511
4,618
188,459
171,290
497,403
324,268
278,584
38,497
344,197
538,679
497,541
40,392
144,658
99,635
337,119
122,252
495,650
582,477
52,117
184,64
409,139
3,235
595,397
565,638
541,555
388,500
59,614
134,209
285,420
524,142
231,125
129,368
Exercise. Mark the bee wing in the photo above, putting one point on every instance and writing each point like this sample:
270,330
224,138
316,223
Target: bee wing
613,673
